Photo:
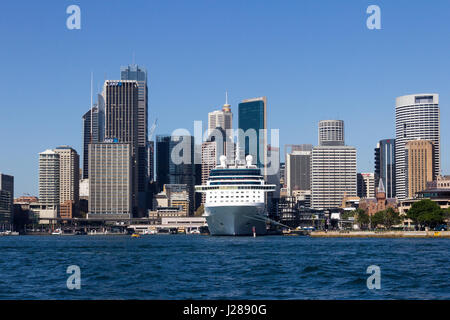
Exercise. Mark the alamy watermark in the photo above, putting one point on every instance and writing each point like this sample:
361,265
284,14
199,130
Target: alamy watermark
74,20
374,20
232,143
74,280
374,280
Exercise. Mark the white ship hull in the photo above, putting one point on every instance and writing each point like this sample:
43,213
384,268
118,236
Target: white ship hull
236,220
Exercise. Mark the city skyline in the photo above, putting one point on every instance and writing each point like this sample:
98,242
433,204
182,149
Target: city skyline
292,92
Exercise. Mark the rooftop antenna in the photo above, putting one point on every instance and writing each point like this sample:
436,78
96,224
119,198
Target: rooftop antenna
226,97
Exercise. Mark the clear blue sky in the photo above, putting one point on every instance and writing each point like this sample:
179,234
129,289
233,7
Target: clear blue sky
312,59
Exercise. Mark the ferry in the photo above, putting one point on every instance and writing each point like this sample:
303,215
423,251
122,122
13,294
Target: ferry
235,202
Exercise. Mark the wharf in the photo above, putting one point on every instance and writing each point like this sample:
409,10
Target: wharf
380,234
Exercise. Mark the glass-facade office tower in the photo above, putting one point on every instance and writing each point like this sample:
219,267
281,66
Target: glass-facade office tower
139,74
6,200
93,130
385,166
416,117
252,119
121,118
162,160
151,161
182,168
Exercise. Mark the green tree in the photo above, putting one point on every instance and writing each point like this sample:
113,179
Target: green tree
378,219
200,210
426,213
362,218
348,214
446,215
391,217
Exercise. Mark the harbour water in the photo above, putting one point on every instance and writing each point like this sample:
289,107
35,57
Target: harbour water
204,267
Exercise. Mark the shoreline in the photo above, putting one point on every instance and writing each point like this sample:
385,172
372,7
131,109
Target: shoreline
381,234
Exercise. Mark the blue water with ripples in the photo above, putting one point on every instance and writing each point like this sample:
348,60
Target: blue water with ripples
203,267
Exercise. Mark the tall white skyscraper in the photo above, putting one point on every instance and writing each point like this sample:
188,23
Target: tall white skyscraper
416,117
331,133
49,176
333,167
333,175
222,119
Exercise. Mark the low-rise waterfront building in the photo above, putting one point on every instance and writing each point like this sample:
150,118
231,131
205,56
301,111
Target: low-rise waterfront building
379,203
440,196
174,196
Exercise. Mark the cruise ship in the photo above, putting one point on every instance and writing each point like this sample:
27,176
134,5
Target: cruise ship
235,202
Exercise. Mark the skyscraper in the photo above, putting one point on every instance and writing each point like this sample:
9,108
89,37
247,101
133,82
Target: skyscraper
333,175
121,101
151,161
221,118
162,160
419,165
298,171
110,180
220,124
49,181
253,129
181,164
385,166
219,141
93,130
139,74
416,117
366,185
121,124
209,161
333,167
69,171
6,200
331,133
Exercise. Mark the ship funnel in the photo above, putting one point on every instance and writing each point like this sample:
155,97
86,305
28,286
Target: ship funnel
223,161
249,160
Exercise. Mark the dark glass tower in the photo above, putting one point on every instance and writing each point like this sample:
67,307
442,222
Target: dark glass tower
162,161
139,74
252,119
93,130
121,106
182,170
385,166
